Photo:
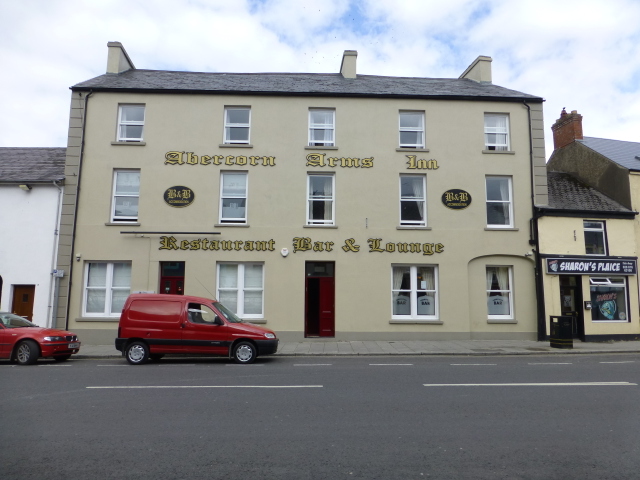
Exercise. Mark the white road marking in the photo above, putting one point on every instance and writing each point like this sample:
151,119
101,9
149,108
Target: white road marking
575,384
551,363
206,386
391,364
312,364
473,364
53,365
629,361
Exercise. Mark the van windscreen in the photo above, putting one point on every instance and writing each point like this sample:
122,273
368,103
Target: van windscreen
228,314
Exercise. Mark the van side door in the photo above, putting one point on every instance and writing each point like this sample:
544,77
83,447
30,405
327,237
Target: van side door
204,331
158,322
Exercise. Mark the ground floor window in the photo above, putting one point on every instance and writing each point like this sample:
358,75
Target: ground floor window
106,287
414,291
499,293
609,299
241,288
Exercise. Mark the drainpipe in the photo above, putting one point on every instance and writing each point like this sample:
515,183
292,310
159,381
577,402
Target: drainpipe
75,212
542,324
55,285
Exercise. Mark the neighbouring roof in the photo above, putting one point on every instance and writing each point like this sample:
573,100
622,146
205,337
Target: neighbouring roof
567,193
31,165
626,154
301,84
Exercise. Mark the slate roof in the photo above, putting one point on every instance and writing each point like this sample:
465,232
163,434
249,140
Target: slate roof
568,193
301,84
31,165
626,154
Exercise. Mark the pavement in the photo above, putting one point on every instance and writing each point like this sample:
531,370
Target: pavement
436,347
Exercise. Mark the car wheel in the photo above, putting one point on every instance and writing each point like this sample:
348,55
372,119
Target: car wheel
137,353
27,353
156,356
244,352
62,358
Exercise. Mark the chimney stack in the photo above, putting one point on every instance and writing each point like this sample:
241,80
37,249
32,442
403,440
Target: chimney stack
348,66
567,129
117,60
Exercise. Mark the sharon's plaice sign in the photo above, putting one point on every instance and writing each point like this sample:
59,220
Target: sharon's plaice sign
591,266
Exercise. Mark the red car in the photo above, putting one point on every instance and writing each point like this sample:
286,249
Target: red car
24,342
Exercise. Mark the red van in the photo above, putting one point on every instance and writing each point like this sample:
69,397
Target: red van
152,325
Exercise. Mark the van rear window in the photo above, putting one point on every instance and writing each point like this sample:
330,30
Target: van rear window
155,311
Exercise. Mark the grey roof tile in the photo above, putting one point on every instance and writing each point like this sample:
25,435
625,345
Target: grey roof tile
568,193
31,164
308,84
626,154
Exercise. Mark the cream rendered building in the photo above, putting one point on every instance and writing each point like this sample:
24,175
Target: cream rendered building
342,206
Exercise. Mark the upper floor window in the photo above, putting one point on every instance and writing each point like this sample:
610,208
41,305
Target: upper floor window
130,123
106,287
237,123
320,200
322,124
411,129
499,293
595,238
414,291
233,197
496,131
499,203
126,195
413,202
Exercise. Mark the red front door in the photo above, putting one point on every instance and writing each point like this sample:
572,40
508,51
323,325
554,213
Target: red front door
320,300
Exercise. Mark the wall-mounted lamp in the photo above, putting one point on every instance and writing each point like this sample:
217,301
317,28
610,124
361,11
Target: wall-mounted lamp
78,257
25,187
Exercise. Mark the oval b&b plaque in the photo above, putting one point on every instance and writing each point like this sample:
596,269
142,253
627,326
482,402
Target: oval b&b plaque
179,196
456,199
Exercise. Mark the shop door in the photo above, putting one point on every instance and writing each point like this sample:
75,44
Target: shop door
319,300
172,278
571,302
22,303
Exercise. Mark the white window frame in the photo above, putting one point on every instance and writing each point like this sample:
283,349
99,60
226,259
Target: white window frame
311,199
122,124
413,291
228,126
114,195
508,291
422,200
616,282
509,201
240,289
494,130
322,126
419,145
245,197
602,230
108,288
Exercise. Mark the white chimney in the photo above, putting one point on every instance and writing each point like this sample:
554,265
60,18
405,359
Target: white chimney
118,61
479,71
348,67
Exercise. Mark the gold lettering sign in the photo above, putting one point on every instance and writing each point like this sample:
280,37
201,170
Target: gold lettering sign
415,164
179,196
171,243
456,199
319,160
189,158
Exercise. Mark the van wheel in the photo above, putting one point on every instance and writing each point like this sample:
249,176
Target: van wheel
137,353
244,352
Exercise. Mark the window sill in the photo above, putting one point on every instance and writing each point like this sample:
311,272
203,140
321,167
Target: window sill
120,224
496,321
131,144
235,145
499,152
405,149
409,227
99,319
241,225
499,229
414,321
319,226
316,147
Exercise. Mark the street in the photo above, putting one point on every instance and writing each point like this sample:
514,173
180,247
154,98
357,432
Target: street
511,417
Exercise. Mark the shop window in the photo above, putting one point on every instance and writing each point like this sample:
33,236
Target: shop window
499,203
413,200
414,292
237,125
595,238
609,299
322,127
126,195
320,200
241,288
130,123
106,287
499,293
411,129
233,197
496,131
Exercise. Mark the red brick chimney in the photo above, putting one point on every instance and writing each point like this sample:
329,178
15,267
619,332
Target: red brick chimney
567,129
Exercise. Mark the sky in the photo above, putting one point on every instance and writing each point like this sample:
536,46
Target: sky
580,55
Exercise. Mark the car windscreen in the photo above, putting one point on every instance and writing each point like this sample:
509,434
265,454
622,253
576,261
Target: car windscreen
228,314
9,320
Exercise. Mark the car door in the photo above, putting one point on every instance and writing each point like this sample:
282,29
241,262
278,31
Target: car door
4,343
202,333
